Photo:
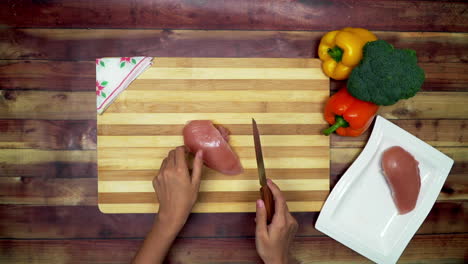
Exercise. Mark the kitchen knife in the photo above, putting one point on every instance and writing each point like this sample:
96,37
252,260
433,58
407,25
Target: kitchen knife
265,191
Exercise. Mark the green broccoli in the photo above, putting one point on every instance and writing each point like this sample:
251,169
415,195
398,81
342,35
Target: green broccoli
385,75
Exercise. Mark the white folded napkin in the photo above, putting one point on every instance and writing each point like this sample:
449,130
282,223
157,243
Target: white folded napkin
114,75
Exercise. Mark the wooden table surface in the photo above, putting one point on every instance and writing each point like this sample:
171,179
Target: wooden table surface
48,183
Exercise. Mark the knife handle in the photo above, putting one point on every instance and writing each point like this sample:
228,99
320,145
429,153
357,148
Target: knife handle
267,198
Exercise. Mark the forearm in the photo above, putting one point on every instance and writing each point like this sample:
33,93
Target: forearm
157,243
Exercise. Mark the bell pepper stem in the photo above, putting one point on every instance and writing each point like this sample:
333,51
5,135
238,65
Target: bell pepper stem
339,122
336,53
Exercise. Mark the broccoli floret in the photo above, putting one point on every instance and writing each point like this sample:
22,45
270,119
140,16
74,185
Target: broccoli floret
385,74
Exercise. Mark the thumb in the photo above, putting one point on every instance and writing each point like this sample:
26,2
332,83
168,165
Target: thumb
197,168
261,219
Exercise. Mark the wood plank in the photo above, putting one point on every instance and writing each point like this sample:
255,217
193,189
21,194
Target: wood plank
88,44
207,197
244,14
449,248
34,156
42,191
66,222
48,134
222,207
16,104
234,185
235,129
48,75
81,134
236,64
438,133
80,76
225,84
79,106
269,151
145,105
210,174
160,73
123,162
422,106
182,96
41,163
52,169
72,191
121,142
216,117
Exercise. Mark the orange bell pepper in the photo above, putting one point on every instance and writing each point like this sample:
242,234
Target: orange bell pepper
348,115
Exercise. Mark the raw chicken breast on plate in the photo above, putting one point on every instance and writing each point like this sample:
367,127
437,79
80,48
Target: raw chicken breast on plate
402,173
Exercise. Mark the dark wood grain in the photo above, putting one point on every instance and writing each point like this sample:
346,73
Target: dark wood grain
80,44
449,248
80,76
50,169
438,133
81,134
65,222
48,134
40,190
48,75
58,105
240,14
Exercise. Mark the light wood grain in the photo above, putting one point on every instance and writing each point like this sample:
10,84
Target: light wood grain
209,174
232,185
128,163
235,129
231,207
222,84
124,105
182,96
176,90
235,63
234,140
220,118
234,73
207,197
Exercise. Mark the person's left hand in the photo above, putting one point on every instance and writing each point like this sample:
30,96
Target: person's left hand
176,189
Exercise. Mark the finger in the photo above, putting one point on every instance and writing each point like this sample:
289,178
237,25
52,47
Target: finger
280,202
180,158
171,159
163,165
261,219
197,168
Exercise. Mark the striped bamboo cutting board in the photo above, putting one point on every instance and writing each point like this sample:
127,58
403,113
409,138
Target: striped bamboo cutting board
285,96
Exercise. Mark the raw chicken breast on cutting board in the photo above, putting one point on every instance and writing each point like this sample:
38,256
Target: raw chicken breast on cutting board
213,140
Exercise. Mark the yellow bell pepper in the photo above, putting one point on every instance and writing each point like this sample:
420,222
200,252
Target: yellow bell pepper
341,51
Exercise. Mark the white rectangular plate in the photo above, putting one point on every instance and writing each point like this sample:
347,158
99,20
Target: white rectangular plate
360,212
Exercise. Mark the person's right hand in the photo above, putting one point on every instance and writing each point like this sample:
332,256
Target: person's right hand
273,241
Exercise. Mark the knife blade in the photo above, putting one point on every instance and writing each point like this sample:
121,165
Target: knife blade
259,154
265,192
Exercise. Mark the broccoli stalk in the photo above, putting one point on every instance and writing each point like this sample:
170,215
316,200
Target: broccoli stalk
385,74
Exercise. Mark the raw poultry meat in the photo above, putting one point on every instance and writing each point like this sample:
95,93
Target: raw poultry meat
402,173
213,140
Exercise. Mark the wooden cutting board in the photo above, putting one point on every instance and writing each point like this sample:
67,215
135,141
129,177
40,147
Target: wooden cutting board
286,98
